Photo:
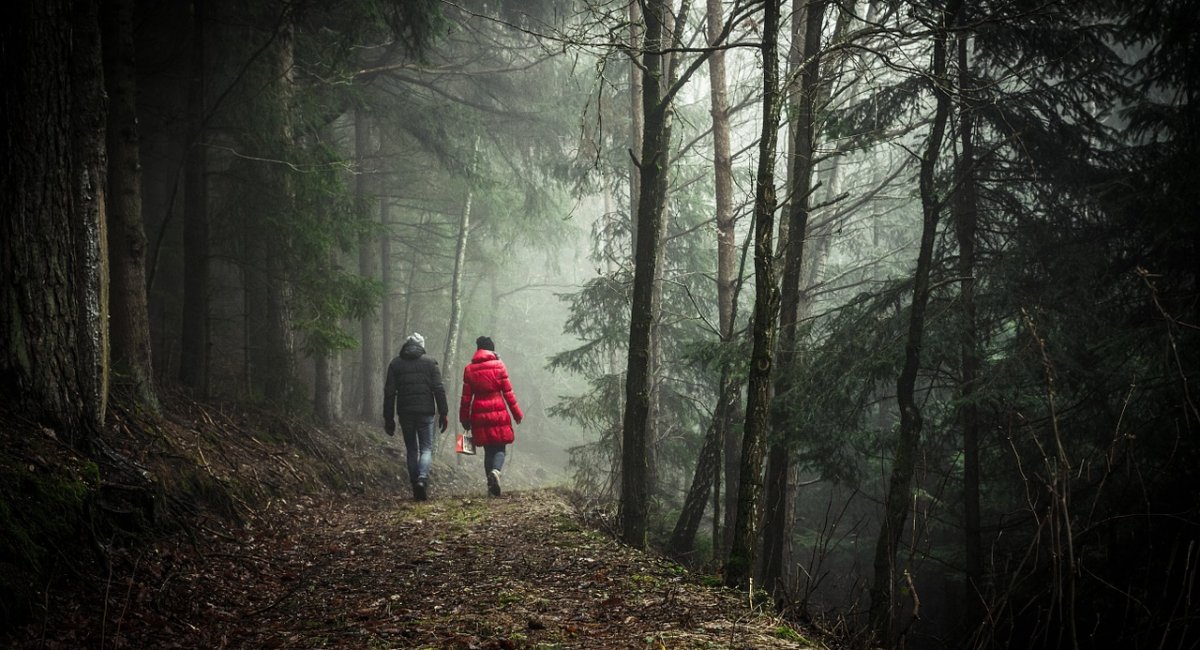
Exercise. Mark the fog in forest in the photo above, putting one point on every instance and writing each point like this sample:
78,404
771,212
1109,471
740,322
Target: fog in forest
884,310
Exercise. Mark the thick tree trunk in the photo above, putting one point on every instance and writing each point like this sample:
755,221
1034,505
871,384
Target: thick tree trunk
806,44
739,569
653,167
53,309
193,359
369,371
130,321
898,497
965,219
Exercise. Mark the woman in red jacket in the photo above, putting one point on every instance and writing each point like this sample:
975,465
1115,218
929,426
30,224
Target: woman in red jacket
487,397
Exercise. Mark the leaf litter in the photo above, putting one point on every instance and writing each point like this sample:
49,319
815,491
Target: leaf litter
381,571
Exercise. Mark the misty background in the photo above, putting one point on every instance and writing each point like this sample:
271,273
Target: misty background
926,269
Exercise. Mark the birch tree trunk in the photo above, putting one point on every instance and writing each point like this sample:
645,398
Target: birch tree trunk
740,566
460,260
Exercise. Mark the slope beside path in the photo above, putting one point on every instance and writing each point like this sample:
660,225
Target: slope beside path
388,572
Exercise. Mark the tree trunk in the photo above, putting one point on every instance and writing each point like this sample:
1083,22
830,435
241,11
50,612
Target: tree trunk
193,357
965,219
322,389
740,567
653,167
726,257
636,117
898,497
53,360
460,260
806,43
129,325
708,465
267,291
706,475
370,371
387,339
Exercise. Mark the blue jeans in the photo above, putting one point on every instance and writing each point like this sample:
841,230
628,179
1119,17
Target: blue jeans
493,457
418,444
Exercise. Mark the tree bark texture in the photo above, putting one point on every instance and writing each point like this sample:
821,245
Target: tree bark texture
193,355
740,566
726,253
965,220
653,167
370,369
806,45
129,325
53,356
267,288
388,346
898,497
449,363
636,117
706,475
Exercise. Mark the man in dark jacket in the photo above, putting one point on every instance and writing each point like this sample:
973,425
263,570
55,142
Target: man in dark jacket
413,391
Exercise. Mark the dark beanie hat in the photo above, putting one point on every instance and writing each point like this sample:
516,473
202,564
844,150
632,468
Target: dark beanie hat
485,343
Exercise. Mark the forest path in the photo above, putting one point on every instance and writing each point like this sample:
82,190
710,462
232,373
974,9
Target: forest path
518,571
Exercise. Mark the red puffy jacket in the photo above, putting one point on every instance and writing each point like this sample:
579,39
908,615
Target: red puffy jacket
487,396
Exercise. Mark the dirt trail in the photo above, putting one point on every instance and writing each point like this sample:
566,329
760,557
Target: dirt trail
372,572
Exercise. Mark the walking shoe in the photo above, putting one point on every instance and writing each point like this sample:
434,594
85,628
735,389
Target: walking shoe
420,490
493,479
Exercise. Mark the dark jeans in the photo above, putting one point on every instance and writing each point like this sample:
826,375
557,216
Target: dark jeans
418,444
493,458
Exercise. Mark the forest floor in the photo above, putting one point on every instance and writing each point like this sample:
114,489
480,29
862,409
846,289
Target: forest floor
519,571
287,536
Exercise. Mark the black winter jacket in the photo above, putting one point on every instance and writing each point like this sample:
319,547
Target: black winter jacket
413,384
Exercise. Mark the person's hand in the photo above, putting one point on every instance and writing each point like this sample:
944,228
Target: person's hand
466,425
390,427
443,422
517,419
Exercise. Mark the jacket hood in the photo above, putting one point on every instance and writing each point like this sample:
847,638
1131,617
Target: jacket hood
412,350
482,355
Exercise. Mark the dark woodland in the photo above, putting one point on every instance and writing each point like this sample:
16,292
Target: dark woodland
834,323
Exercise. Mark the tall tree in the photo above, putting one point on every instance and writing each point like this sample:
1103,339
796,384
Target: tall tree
740,566
449,363
194,356
707,474
653,166
369,368
129,325
53,308
806,46
265,239
896,502
965,210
